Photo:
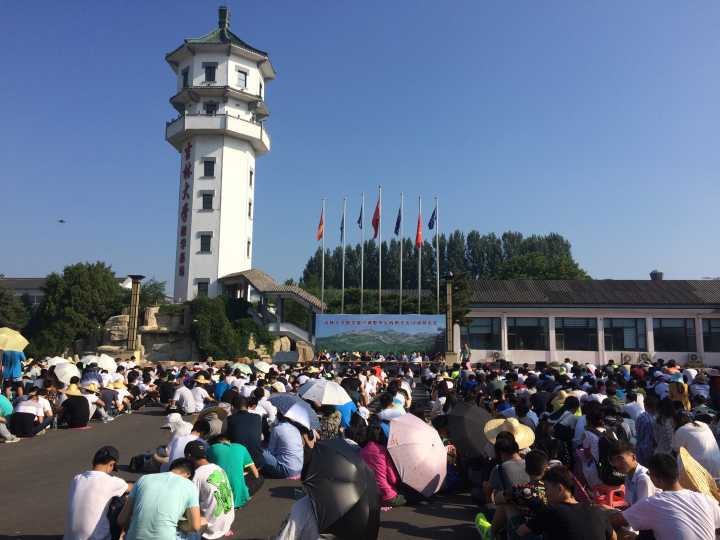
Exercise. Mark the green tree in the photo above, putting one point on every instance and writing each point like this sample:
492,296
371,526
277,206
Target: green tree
152,293
76,306
539,266
212,331
13,312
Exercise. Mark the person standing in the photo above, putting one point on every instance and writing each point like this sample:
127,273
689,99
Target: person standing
216,496
90,495
12,372
159,501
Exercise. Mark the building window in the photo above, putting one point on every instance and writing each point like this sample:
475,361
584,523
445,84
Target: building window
625,335
186,77
482,333
711,335
252,174
209,168
207,201
528,333
576,334
210,69
210,108
248,249
249,209
205,242
203,287
674,335
241,78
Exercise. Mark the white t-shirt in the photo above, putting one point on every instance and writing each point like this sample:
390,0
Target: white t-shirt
30,406
199,395
92,400
184,399
676,515
634,409
176,448
699,441
216,499
90,493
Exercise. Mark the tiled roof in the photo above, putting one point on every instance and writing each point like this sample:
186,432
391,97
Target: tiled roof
22,283
223,35
596,292
264,284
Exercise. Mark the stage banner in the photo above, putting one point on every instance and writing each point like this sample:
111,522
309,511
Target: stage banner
380,333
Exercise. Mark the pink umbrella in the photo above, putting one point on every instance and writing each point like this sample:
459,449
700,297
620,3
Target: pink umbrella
418,453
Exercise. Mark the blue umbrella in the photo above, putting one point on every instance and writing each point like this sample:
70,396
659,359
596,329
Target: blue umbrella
283,401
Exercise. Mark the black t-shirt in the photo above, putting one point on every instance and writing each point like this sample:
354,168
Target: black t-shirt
246,428
167,391
76,411
109,396
540,401
577,521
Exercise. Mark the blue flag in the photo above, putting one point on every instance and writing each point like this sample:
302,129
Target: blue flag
342,227
360,218
398,221
433,218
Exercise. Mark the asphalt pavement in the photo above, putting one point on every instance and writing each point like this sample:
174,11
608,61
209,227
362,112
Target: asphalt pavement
36,475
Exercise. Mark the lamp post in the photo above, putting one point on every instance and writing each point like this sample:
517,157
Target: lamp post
449,310
134,308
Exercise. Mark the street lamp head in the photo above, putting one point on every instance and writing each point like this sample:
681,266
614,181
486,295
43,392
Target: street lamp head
136,277
449,276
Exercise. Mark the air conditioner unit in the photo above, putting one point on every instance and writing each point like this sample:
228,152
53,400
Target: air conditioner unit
628,358
644,357
694,360
497,355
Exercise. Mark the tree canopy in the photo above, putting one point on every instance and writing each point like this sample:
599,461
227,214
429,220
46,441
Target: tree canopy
13,311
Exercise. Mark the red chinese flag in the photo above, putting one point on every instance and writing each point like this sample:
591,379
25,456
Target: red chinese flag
321,227
418,234
376,220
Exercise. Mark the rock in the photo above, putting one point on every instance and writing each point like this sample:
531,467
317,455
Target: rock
281,344
151,317
116,329
305,351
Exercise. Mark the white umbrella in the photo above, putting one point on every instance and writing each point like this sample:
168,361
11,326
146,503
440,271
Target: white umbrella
66,371
324,392
262,367
55,360
298,413
89,359
107,362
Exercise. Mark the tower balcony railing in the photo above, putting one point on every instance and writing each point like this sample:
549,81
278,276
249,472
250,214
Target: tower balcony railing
176,130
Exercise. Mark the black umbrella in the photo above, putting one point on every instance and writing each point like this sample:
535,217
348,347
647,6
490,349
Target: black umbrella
343,491
465,427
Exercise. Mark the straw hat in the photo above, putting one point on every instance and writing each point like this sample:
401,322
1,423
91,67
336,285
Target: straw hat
695,477
73,390
119,385
313,370
559,400
91,387
278,386
524,436
200,379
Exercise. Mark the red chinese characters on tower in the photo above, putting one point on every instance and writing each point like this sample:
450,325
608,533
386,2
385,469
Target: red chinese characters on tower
185,198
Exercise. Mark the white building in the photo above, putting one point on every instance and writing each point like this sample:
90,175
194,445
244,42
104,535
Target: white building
593,320
219,131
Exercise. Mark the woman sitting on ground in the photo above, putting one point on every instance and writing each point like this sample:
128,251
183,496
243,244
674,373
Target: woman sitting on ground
376,455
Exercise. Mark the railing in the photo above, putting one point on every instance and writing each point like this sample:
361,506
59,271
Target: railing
218,115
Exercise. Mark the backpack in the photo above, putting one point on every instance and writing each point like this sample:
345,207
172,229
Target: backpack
606,472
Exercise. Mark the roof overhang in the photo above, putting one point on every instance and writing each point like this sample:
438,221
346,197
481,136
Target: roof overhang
194,94
187,49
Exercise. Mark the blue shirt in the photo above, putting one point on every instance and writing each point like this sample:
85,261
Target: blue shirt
12,364
286,445
346,411
220,389
159,501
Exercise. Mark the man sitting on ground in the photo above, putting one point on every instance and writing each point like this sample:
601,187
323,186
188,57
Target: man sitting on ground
235,460
90,495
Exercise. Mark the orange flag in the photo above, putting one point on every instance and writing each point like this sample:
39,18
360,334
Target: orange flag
321,227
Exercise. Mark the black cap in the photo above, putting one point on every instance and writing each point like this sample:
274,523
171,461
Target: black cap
105,455
195,450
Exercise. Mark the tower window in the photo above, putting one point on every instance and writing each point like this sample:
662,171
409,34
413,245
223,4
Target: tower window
211,108
203,287
252,174
261,89
205,242
249,209
248,248
207,201
186,77
209,167
210,70
241,78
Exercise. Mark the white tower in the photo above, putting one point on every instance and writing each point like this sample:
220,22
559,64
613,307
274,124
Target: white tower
220,97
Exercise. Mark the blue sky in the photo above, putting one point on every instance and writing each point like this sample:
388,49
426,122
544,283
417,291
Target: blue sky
596,120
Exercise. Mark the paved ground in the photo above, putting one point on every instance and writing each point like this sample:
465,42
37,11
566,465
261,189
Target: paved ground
36,473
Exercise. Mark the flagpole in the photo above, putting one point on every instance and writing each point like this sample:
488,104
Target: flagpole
402,223
380,250
419,255
342,283
362,251
322,270
437,255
